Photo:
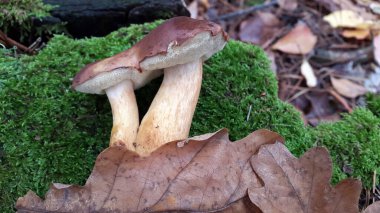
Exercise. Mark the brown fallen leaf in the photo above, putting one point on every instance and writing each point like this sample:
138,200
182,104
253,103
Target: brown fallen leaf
373,208
300,40
348,88
300,185
289,5
358,34
334,5
209,175
350,5
319,108
193,9
260,28
348,19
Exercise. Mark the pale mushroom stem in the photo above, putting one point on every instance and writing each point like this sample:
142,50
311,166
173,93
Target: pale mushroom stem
171,112
125,114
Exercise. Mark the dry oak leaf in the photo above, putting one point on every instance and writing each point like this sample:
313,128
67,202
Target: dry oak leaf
376,50
300,185
300,40
359,34
260,28
335,5
373,208
348,88
348,19
210,174
289,5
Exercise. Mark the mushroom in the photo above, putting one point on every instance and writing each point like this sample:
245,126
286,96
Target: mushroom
170,114
179,46
118,81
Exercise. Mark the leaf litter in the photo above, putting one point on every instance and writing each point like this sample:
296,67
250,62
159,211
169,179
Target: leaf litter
203,175
325,33
207,173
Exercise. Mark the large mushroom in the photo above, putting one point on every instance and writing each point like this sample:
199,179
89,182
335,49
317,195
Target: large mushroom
179,46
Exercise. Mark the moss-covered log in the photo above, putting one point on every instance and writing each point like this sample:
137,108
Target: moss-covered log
100,17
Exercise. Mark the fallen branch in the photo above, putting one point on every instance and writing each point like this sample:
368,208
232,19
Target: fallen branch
245,11
341,100
328,57
10,42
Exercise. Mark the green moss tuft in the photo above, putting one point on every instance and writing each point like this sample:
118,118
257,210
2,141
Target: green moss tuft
373,104
354,145
18,14
50,133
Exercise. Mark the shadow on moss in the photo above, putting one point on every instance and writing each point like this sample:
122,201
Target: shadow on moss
50,133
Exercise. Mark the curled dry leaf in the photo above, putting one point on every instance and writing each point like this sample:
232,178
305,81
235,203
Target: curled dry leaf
193,9
207,175
288,4
308,73
376,49
260,28
300,185
358,34
373,208
335,5
348,88
347,18
300,40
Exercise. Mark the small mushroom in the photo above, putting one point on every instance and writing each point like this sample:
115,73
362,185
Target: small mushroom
118,81
179,45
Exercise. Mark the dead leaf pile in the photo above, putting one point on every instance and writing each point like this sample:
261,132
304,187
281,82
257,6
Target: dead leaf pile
203,175
254,174
325,47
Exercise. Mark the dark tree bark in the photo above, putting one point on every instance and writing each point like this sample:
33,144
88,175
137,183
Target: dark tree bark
100,17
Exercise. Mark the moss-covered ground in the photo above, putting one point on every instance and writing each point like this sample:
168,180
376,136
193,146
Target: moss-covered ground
50,133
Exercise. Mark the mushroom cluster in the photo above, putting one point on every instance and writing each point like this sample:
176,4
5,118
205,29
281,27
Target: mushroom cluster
177,48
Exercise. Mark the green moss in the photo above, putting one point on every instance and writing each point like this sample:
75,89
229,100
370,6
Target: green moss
354,145
373,103
19,13
50,133
236,79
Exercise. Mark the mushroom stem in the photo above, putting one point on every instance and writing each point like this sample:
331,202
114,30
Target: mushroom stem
124,113
171,112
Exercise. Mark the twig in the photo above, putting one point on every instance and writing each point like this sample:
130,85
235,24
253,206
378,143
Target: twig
292,76
35,44
298,84
329,57
249,112
246,11
298,94
314,89
226,4
374,186
11,42
341,100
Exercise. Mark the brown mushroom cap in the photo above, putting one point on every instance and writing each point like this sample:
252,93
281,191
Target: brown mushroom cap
177,41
